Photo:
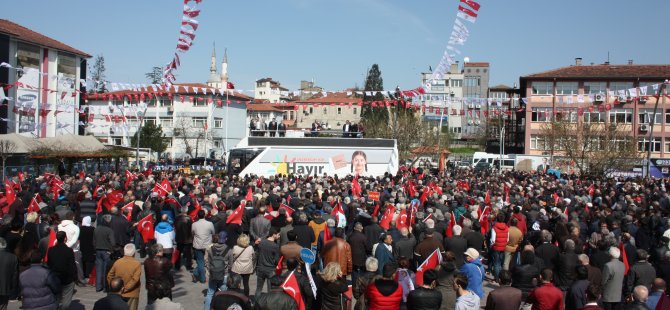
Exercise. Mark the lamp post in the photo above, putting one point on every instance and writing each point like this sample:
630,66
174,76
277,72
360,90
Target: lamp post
439,129
395,121
659,95
139,135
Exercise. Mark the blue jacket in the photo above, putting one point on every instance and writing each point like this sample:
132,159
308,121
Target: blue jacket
164,227
475,272
383,256
39,287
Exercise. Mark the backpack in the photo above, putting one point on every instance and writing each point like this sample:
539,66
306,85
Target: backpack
217,264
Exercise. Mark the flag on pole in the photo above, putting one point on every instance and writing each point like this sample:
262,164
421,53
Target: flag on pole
279,266
10,193
34,206
289,210
146,227
356,187
624,258
250,195
450,229
433,260
385,222
52,242
194,214
236,216
291,287
129,208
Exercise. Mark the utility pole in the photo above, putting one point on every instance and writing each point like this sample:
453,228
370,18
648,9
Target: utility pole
659,95
395,121
139,134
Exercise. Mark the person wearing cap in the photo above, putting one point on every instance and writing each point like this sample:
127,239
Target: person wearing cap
475,272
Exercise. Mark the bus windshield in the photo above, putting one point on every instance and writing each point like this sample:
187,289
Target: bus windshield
240,158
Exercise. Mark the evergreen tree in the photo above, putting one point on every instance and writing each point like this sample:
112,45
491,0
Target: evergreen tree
155,76
98,74
152,138
375,84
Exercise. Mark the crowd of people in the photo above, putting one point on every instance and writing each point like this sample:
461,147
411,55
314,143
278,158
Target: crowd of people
534,241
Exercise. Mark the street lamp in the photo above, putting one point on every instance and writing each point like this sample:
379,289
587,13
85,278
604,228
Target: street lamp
439,131
139,134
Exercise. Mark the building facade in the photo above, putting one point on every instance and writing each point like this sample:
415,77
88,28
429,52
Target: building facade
271,91
197,121
444,100
476,79
599,95
505,121
46,83
331,111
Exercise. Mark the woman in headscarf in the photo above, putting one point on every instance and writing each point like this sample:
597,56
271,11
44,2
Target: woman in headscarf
86,246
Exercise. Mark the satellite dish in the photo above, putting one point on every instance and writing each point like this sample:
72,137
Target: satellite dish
466,59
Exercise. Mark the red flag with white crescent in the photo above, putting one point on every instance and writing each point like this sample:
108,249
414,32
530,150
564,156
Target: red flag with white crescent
236,216
289,210
146,227
128,207
52,242
291,287
10,193
433,260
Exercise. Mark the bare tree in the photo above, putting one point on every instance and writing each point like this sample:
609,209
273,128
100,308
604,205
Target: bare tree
594,148
7,148
183,129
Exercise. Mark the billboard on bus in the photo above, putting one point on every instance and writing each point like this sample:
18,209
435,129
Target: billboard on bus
317,161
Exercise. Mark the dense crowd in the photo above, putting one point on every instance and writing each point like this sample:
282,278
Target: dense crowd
425,242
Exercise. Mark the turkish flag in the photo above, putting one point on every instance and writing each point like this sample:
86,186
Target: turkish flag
484,220
112,199
556,198
146,227
34,206
289,210
401,221
194,214
129,178
291,287
356,187
433,260
336,210
22,177
10,193
375,212
450,229
279,267
624,257
327,235
161,189
128,207
487,200
148,172
236,216
388,217
52,242
250,195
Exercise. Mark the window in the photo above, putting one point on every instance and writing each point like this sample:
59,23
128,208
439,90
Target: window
218,123
623,116
569,115
117,141
499,95
456,83
311,110
339,111
166,122
543,88
217,143
541,114
355,111
325,110
471,82
594,117
67,65
666,147
456,129
644,116
616,86
199,122
199,102
567,88
537,142
27,56
151,121
643,144
592,88
667,116
168,142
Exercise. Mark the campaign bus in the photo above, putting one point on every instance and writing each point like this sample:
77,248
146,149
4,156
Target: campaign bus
267,156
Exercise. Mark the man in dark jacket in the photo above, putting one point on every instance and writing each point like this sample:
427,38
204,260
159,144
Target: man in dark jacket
104,243
303,231
268,258
547,251
9,268
457,245
359,251
576,295
61,261
184,239
233,297
566,266
39,286
113,301
642,273
640,295
275,299
373,232
505,297
426,297
121,227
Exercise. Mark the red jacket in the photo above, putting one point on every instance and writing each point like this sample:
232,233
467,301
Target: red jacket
384,294
502,234
546,297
